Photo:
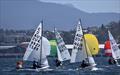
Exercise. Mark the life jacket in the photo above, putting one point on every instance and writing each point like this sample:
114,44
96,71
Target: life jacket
19,64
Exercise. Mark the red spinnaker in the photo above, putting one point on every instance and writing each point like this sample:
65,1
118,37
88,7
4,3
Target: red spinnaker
107,48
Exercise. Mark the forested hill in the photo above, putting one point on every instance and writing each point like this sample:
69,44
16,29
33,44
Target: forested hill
27,14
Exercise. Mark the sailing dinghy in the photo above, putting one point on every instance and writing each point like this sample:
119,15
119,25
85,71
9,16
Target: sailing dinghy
114,48
38,50
62,51
80,49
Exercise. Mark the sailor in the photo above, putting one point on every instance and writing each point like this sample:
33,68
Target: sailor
84,64
19,65
58,63
111,61
35,65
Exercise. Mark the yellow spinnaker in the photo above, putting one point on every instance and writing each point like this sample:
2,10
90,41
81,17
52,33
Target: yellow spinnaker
92,43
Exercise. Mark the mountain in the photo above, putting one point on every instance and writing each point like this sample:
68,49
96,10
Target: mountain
24,14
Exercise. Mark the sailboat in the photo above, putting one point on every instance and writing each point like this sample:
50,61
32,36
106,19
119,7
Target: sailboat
38,49
62,51
80,49
114,48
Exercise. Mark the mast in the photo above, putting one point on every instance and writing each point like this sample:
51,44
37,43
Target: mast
41,42
84,41
54,33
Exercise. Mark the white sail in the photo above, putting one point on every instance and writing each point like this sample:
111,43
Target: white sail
34,48
59,55
78,54
90,59
80,50
115,49
61,46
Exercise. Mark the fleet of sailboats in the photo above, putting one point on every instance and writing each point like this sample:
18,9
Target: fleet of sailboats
39,48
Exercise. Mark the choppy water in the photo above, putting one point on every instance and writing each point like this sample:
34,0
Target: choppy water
7,67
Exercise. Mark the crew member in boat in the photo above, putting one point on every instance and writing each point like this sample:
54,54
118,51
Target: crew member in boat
35,65
111,61
19,64
58,63
84,64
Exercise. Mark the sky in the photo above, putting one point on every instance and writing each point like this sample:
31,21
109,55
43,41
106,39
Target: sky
92,6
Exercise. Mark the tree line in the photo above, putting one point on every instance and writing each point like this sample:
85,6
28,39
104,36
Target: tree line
18,36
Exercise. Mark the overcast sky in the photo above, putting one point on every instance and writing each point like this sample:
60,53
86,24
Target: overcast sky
92,6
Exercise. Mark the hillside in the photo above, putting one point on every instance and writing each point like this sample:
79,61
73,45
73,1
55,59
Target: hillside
25,14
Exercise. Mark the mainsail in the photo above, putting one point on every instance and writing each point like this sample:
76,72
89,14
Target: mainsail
59,54
114,47
78,54
61,46
81,50
38,48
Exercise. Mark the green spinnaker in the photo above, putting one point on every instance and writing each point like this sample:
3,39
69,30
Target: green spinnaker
53,51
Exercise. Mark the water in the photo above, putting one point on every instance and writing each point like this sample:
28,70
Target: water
7,67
